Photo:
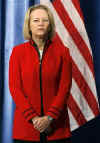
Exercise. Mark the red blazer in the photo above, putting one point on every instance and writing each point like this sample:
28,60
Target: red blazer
40,88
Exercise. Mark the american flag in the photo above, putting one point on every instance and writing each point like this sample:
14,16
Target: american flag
83,102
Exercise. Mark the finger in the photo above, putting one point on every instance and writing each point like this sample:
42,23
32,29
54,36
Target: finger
38,124
40,127
35,121
43,128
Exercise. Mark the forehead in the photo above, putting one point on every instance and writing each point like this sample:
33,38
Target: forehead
38,13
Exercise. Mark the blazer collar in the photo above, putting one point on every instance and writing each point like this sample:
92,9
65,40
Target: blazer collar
48,42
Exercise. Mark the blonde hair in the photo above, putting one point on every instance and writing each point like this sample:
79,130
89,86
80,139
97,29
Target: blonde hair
26,28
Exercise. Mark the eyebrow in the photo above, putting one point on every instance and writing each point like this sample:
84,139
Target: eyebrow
39,18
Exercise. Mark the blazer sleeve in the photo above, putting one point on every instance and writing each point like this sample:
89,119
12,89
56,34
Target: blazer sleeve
16,88
60,100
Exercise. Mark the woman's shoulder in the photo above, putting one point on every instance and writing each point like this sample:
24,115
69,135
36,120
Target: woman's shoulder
19,50
20,47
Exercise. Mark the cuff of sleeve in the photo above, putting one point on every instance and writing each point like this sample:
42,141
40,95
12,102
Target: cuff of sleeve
52,115
54,112
29,117
29,114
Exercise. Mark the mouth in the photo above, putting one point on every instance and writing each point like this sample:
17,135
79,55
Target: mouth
42,29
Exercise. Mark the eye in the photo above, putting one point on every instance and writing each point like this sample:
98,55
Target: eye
35,20
45,20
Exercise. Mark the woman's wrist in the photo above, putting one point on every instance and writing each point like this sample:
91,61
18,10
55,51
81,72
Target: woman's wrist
50,118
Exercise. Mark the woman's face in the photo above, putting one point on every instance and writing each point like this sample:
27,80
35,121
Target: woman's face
39,23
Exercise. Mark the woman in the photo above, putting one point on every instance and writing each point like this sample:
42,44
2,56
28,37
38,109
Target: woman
40,81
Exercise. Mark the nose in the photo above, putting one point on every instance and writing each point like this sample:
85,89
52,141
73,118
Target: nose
41,22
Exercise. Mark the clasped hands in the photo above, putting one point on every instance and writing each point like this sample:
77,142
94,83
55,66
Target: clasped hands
41,123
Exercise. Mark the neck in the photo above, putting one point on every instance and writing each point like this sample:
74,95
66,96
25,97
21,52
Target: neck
40,42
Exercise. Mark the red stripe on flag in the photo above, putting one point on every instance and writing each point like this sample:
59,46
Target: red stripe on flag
83,86
75,110
77,6
74,33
